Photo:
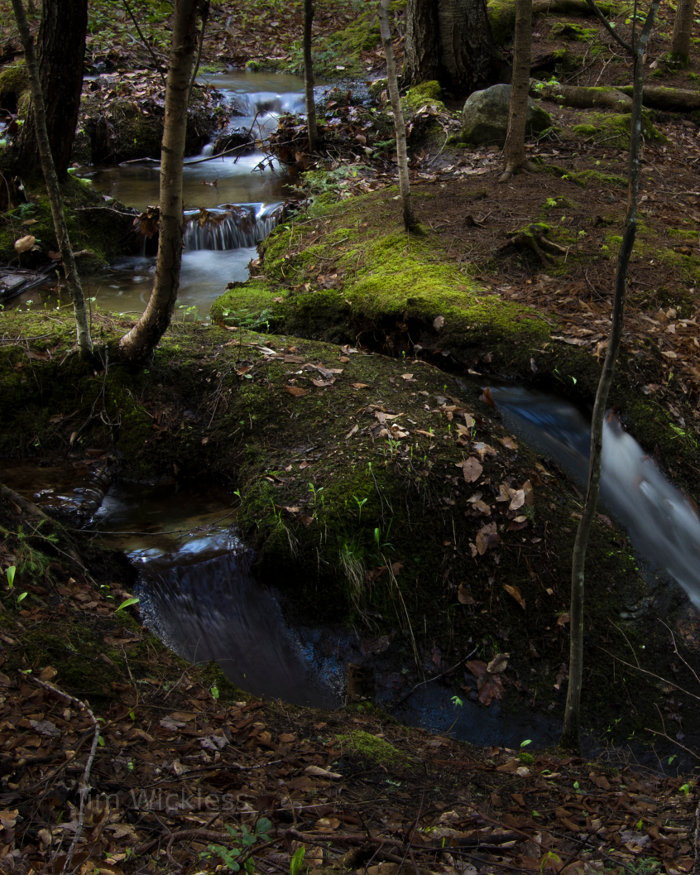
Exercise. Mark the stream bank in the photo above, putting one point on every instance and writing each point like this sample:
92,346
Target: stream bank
379,494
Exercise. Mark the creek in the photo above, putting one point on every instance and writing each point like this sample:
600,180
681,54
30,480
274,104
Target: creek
231,202
197,593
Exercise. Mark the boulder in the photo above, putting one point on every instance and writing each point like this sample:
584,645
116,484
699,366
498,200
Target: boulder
485,116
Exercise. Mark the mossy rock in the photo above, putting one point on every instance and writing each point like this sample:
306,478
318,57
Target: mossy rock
14,86
97,230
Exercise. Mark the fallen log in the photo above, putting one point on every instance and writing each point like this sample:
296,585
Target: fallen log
583,97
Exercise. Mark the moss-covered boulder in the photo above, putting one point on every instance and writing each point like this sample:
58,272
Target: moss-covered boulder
485,116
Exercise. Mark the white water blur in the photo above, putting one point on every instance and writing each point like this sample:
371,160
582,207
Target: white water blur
662,523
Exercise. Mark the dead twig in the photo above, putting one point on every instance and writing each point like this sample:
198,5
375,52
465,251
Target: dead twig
85,780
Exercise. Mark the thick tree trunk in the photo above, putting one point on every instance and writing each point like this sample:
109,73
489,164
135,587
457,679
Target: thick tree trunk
514,148
139,343
682,31
450,41
52,185
309,76
61,48
570,738
422,46
399,124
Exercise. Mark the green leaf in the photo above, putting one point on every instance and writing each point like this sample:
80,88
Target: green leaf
10,573
127,603
297,861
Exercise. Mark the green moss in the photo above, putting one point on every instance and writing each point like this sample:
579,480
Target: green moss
425,94
501,15
614,129
371,748
14,84
572,31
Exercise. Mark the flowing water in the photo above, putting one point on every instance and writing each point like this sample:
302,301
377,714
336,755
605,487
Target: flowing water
231,202
662,523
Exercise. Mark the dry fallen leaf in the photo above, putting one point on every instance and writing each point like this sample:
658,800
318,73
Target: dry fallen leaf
515,592
486,537
296,391
24,244
471,469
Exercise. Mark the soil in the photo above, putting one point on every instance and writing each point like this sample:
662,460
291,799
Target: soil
178,768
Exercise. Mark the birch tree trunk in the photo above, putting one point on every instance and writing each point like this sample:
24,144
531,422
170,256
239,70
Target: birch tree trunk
53,187
140,342
570,738
409,219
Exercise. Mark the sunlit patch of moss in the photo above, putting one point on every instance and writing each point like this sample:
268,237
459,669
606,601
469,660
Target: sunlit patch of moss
371,748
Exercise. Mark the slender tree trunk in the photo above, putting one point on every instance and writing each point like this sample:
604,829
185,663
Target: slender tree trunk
409,219
514,148
570,738
61,49
309,76
682,31
53,187
138,344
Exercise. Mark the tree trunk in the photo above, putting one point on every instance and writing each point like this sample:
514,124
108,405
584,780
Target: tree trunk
514,148
570,738
61,49
309,76
138,344
52,185
409,219
682,31
450,41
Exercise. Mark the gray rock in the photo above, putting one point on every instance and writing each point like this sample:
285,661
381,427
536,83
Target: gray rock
485,116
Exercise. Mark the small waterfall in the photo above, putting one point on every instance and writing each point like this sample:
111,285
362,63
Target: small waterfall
230,226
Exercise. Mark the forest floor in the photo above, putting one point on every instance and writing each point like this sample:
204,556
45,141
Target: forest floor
182,770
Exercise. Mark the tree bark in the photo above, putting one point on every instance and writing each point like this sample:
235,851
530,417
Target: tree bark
140,342
514,147
309,76
450,41
409,219
52,185
61,50
570,738
682,31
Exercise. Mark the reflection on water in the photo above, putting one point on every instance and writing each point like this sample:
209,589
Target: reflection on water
127,285
205,183
663,525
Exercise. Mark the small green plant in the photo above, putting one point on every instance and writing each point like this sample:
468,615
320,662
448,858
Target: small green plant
296,863
457,702
525,757
238,857
127,603
360,502
10,572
